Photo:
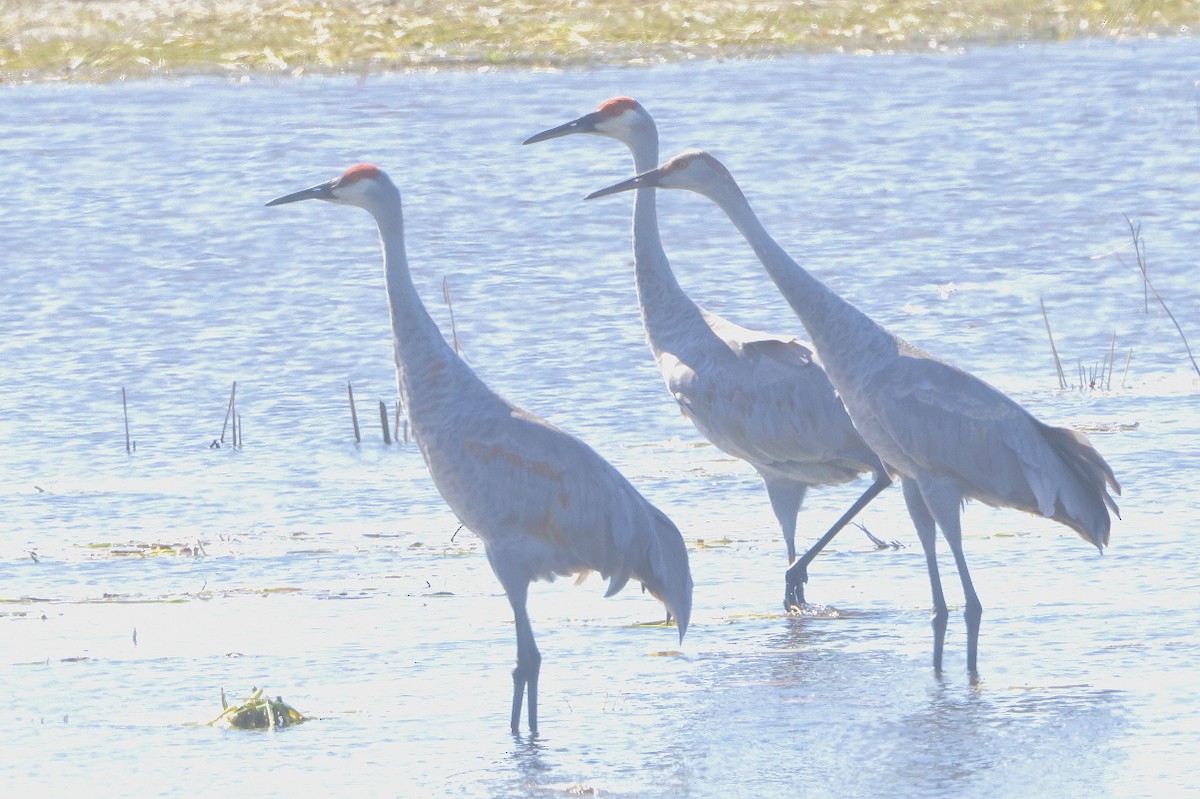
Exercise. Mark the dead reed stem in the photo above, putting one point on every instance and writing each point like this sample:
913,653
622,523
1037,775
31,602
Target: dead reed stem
453,331
229,413
1112,356
353,413
383,422
1062,378
125,410
1139,249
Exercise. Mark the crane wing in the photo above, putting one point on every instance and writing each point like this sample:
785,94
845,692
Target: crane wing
562,504
735,335
768,401
952,424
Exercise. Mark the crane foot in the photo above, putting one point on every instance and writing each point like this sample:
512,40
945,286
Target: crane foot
793,594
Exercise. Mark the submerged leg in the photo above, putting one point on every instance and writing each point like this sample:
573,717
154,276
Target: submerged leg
946,504
927,533
529,660
797,575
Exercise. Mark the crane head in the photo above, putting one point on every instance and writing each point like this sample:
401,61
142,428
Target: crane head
359,185
617,118
692,169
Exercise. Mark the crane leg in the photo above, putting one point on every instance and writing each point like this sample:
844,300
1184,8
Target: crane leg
797,574
946,508
529,662
786,498
922,519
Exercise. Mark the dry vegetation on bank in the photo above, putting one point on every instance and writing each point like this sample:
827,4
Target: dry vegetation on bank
111,39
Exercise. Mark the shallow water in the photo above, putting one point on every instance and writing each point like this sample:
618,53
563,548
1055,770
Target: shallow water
943,194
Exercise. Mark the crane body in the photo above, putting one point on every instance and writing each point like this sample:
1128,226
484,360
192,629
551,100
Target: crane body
543,502
758,396
949,435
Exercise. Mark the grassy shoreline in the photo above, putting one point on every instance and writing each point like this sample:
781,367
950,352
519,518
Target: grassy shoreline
102,40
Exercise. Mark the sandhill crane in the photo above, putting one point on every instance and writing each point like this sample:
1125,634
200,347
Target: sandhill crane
542,501
949,435
757,396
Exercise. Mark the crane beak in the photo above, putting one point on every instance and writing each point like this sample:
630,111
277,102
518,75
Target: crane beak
646,180
585,124
322,191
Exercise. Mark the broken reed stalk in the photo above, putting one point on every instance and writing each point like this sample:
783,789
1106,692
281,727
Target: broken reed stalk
1062,378
396,423
353,413
383,422
1139,249
1128,358
237,432
446,296
229,412
1112,357
125,409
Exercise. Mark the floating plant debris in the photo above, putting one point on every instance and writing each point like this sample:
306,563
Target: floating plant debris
257,713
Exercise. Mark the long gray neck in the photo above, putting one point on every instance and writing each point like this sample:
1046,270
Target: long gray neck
845,338
420,351
670,317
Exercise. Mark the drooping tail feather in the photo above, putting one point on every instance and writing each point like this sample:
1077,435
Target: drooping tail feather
670,577
616,582
646,546
1083,504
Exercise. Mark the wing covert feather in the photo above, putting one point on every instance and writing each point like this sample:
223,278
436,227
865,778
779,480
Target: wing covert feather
768,401
529,476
